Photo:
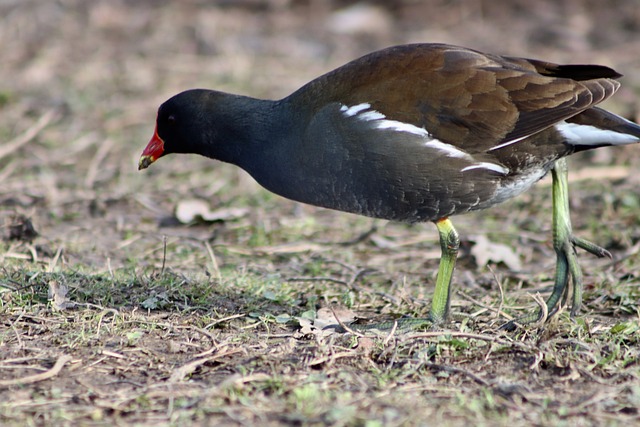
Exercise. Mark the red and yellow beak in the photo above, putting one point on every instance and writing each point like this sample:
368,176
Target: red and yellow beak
153,151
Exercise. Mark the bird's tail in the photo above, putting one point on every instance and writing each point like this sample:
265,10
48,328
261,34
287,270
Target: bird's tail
596,127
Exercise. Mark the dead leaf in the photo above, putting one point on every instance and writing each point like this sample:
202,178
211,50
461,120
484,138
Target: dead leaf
325,322
190,210
306,326
58,294
326,317
485,251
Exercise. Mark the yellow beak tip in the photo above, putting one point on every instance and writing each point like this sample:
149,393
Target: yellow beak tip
144,162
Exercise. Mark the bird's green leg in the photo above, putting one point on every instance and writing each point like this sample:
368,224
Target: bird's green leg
566,259
449,244
564,243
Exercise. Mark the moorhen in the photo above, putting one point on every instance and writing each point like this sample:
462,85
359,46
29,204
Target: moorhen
414,133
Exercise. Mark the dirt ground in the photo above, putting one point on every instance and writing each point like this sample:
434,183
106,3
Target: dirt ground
113,312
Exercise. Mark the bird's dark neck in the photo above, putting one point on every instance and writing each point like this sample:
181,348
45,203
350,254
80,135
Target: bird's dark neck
244,131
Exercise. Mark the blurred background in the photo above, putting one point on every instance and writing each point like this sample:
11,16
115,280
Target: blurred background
80,83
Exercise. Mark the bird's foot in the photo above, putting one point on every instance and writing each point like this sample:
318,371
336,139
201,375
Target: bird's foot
564,243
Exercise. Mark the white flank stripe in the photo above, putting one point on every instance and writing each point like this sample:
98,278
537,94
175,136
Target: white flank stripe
371,115
489,166
352,111
402,127
576,134
449,149
379,120
504,144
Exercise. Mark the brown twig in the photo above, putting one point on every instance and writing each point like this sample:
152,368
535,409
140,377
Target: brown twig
481,337
456,370
391,333
164,254
544,310
216,322
214,262
29,134
333,357
499,283
54,260
31,379
343,326
316,279
498,310
96,162
186,369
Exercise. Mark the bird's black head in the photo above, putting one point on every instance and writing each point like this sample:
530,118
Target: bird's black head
187,123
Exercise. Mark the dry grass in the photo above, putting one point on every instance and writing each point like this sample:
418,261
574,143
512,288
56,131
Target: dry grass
156,323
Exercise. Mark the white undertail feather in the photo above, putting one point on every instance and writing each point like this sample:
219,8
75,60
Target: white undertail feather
577,134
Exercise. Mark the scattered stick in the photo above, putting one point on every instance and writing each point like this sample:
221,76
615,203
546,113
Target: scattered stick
481,337
34,253
7,171
164,253
317,279
31,379
212,338
333,357
498,310
544,310
350,284
15,331
113,354
184,370
455,370
343,326
361,238
54,260
30,133
212,324
499,283
391,333
96,163
214,262
109,269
